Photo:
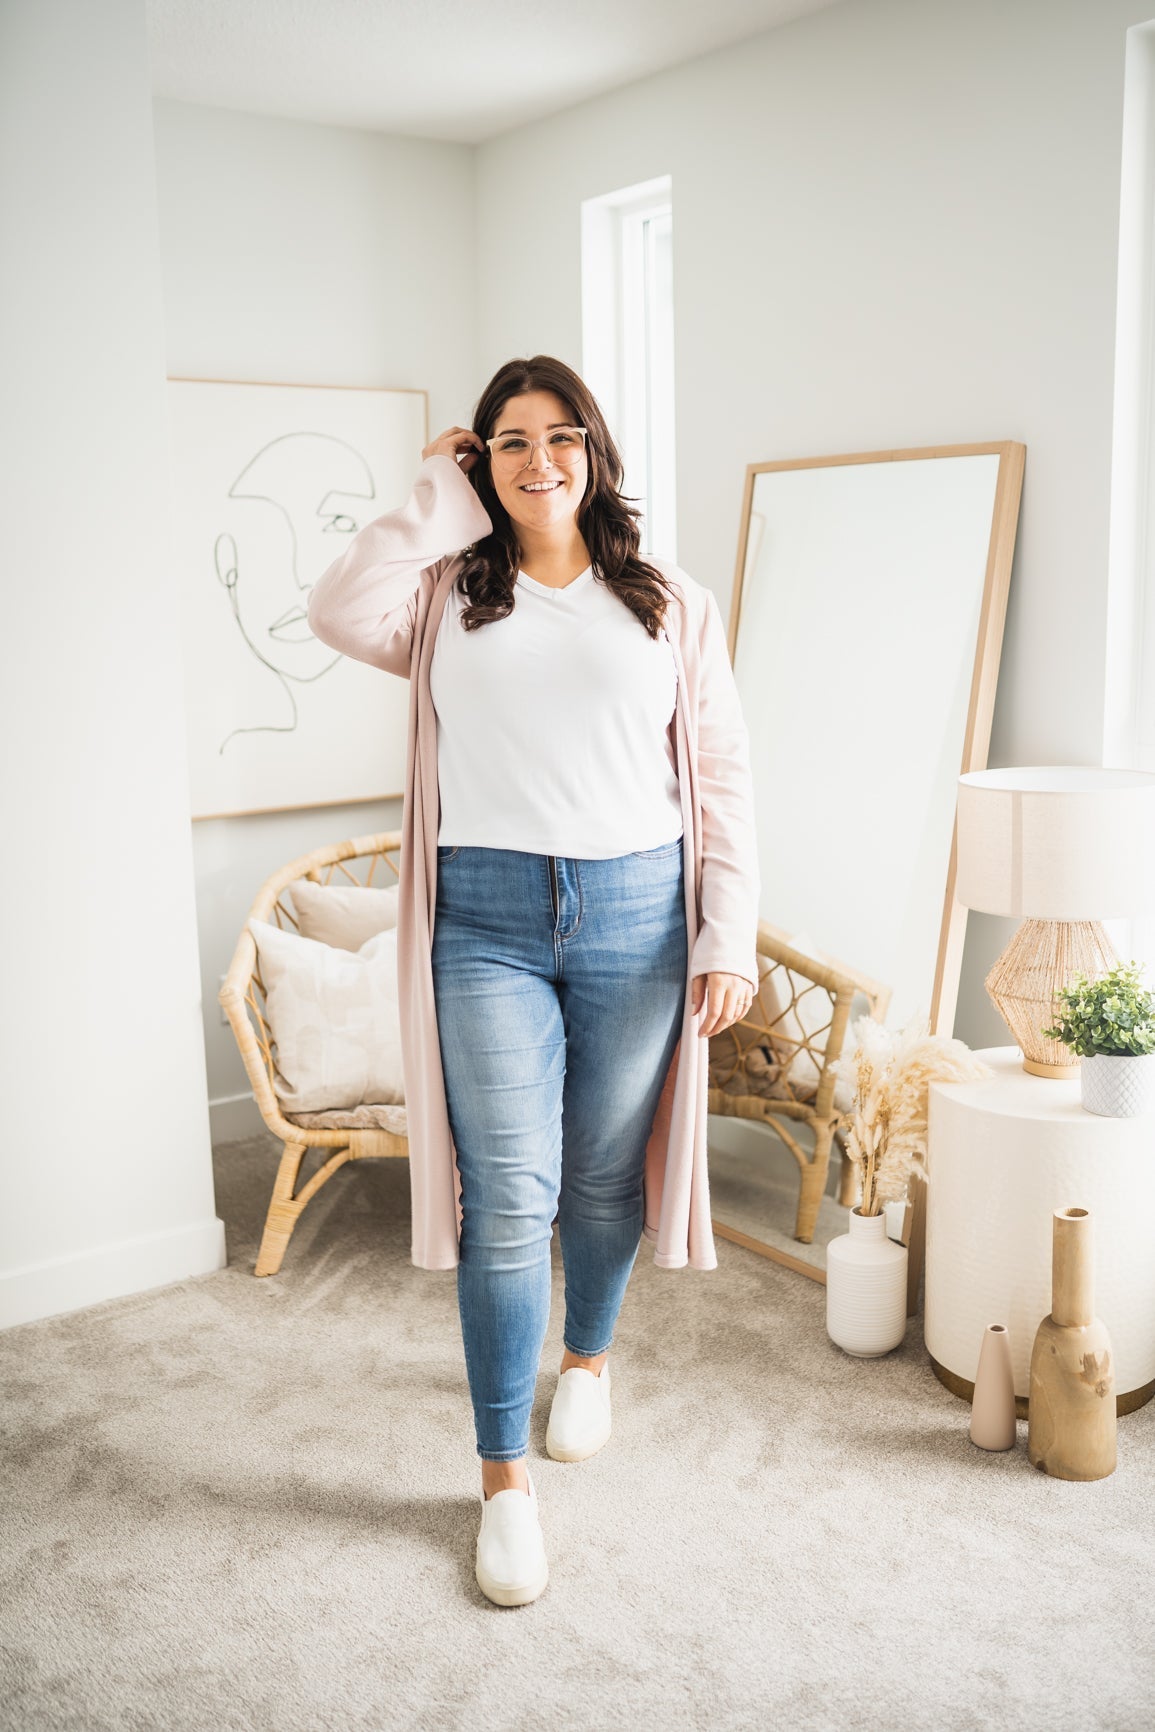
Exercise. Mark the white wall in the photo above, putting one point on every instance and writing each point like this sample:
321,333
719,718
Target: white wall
107,1182
895,224
317,255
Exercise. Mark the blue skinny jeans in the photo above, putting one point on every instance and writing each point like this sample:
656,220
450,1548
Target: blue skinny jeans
560,985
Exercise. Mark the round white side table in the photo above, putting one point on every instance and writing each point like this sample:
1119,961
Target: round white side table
1002,1155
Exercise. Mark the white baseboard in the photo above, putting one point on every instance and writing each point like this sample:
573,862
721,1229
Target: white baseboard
234,1117
110,1272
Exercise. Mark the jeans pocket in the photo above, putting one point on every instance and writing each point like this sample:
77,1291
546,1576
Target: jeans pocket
660,853
446,851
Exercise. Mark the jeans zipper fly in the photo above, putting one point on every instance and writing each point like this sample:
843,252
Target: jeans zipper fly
553,886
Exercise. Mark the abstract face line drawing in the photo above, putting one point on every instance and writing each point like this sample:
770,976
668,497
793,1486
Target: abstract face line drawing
270,482
318,486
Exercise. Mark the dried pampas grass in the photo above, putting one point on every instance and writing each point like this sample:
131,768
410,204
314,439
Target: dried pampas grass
890,1074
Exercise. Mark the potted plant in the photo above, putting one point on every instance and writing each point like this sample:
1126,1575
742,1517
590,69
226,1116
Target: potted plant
889,1075
1109,1024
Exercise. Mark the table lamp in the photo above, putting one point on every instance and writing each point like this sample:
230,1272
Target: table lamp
1065,847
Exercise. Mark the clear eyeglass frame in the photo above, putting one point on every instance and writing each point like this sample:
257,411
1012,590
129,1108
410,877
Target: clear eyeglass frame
518,460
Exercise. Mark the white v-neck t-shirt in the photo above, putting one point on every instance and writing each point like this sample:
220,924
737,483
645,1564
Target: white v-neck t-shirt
553,725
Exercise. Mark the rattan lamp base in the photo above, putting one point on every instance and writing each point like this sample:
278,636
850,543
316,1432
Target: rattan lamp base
1022,985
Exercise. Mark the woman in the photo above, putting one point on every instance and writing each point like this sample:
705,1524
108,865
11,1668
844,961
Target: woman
547,829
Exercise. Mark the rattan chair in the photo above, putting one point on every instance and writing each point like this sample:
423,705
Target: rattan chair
775,1065
367,860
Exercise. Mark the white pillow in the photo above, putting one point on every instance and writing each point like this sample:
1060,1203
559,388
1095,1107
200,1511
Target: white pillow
344,915
335,1018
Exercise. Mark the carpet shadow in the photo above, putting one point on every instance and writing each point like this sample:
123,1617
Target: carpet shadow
442,1524
940,1439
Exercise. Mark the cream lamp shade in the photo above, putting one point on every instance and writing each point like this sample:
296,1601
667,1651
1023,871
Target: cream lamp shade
1064,847
1057,842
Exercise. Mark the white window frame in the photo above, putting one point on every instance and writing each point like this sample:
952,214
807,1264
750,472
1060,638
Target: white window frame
1128,735
628,344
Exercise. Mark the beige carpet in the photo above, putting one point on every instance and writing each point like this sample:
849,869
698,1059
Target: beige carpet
252,1504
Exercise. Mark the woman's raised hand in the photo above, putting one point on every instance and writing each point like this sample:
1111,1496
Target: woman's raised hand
453,440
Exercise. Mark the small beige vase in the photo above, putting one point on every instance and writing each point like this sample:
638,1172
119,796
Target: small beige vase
993,1408
1071,1405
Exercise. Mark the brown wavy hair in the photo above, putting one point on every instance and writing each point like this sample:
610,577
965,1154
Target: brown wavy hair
607,524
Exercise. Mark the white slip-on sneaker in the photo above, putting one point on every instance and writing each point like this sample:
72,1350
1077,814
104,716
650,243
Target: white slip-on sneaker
579,1420
512,1568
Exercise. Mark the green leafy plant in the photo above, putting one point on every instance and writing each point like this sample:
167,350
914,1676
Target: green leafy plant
1114,1014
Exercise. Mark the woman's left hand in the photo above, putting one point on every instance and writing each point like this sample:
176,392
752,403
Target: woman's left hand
727,998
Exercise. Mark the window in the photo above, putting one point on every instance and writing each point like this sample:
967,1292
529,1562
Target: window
628,344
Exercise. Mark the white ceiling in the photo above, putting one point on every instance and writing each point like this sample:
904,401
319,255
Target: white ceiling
463,70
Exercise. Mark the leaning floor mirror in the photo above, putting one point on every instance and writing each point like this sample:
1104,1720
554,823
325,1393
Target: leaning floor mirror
865,633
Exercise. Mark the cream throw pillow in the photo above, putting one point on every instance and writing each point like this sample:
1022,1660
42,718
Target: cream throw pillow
335,1019
344,915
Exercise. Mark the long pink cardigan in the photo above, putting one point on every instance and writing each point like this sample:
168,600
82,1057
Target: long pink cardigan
381,602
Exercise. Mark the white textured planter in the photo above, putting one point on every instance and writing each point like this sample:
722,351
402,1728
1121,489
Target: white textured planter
1118,1085
866,1288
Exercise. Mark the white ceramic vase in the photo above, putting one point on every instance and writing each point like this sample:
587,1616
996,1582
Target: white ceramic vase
866,1288
1118,1085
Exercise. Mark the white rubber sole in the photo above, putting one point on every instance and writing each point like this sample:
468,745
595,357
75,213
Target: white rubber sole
507,1596
557,1453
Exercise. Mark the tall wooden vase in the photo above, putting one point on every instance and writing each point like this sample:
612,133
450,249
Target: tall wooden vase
1071,1404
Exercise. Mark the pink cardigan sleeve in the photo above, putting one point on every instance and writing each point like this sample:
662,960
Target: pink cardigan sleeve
364,603
729,876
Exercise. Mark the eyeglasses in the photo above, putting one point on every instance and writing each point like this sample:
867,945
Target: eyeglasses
562,445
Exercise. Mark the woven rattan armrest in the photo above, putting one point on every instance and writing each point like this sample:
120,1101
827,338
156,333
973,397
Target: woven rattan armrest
768,1068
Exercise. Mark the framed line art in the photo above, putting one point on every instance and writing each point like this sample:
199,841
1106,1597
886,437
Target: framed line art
269,483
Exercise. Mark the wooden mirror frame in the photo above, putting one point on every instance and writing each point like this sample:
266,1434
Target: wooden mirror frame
976,744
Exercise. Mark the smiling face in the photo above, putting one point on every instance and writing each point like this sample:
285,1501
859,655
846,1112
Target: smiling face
537,491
